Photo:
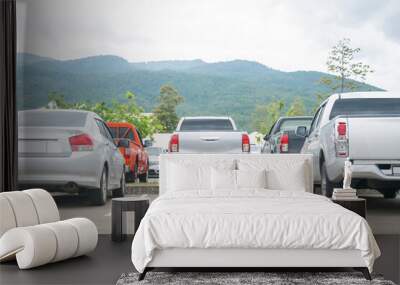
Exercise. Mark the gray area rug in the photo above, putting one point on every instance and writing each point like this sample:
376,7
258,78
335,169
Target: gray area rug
227,278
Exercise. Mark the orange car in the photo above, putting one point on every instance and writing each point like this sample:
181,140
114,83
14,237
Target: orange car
130,144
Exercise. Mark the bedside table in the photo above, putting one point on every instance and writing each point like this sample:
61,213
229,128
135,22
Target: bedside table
139,205
358,206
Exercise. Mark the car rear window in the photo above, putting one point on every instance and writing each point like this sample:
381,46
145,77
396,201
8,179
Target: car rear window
292,124
113,131
51,119
194,125
366,106
125,133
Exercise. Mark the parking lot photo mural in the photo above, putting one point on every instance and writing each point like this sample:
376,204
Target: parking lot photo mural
106,88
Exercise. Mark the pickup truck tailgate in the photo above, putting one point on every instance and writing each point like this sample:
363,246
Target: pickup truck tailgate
210,142
374,138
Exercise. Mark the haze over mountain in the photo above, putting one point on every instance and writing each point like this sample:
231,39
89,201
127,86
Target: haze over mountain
223,88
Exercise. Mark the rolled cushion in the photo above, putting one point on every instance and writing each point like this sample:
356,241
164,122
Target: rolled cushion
23,208
32,246
31,232
46,208
7,218
37,245
67,240
87,235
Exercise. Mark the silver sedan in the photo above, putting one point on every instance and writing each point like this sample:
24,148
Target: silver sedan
70,151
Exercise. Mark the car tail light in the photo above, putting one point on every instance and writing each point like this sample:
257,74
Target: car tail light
341,140
342,129
174,143
284,143
82,142
245,143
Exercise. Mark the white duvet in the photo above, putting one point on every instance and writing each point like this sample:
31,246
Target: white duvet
250,219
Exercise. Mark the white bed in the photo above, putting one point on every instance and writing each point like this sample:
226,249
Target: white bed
197,222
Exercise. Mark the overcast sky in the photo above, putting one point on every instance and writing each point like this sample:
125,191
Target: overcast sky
286,34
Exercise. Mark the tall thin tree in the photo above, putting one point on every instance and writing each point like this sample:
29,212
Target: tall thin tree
341,62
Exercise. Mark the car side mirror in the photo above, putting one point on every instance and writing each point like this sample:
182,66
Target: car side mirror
147,143
123,143
267,137
301,131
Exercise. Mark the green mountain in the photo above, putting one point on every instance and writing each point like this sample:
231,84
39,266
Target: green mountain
176,65
224,88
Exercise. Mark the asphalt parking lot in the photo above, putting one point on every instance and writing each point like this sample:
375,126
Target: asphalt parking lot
383,215
74,206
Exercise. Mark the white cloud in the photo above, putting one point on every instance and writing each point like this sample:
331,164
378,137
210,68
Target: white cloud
287,34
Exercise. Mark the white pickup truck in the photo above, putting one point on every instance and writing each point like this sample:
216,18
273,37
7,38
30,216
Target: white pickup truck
208,135
363,127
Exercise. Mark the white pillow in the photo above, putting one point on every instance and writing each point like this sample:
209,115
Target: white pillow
223,179
284,172
251,178
183,177
293,180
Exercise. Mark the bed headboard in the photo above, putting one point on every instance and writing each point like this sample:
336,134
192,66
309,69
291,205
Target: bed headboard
284,161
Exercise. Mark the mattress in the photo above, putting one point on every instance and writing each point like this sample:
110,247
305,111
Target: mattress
250,219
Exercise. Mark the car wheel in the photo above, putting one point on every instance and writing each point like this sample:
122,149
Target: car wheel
129,177
144,177
99,196
132,175
326,185
120,192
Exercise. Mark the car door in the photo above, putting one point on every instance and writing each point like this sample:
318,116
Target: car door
139,148
275,137
312,143
126,132
111,153
117,159
267,146
143,154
